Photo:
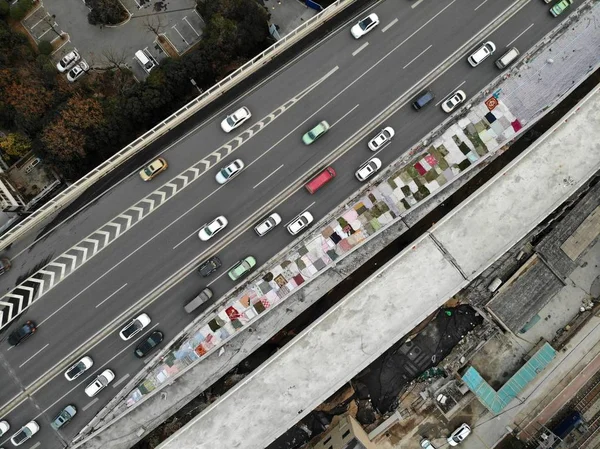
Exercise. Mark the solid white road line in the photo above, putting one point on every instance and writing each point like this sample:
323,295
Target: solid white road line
359,49
480,5
218,277
389,25
271,174
85,407
524,31
344,116
103,301
450,93
87,379
23,364
417,57
121,380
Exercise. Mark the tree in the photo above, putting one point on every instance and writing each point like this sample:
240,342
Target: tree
4,8
63,142
45,47
15,145
116,58
106,12
154,24
19,11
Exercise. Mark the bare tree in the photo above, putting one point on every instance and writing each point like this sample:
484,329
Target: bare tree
154,24
116,58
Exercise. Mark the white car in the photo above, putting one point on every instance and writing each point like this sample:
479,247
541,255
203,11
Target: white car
68,61
79,368
300,222
4,427
210,229
77,72
455,99
483,52
367,169
135,326
99,383
459,435
26,432
267,224
229,171
234,120
364,26
382,138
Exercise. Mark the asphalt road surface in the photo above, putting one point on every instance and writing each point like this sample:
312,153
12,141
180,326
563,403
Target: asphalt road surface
358,80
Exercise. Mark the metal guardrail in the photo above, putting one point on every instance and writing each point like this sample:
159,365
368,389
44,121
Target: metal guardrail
73,191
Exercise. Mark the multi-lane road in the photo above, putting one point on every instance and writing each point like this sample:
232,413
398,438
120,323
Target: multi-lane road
347,82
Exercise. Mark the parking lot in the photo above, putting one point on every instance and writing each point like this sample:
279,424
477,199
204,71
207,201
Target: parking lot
186,32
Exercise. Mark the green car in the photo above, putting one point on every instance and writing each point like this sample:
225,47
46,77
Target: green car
315,133
242,268
560,7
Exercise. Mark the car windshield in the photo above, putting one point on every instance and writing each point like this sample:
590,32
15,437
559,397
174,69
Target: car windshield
226,172
232,120
148,171
365,23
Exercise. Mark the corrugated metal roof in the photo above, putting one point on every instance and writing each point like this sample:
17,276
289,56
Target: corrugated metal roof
495,401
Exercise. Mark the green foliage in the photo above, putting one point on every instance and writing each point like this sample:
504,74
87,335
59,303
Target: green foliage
4,8
14,146
106,12
45,48
20,10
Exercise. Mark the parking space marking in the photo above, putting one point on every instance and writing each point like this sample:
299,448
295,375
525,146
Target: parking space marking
417,57
181,35
120,288
344,116
270,174
359,49
193,29
170,42
23,364
524,31
121,380
39,21
389,25
450,93
89,404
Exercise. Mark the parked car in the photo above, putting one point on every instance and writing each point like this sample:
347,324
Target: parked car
236,119
209,267
79,368
209,230
100,383
4,427
63,418
300,222
426,444
459,435
149,344
368,169
484,51
453,101
267,224
78,71
68,61
134,327
382,138
242,268
229,171
26,432
22,333
315,133
153,168
560,7
364,26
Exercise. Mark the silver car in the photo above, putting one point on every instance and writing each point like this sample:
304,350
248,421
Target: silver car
68,61
229,171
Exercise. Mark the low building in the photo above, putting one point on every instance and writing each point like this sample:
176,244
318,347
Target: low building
347,434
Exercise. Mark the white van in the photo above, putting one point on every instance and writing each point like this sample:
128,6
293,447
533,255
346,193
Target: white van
507,58
146,63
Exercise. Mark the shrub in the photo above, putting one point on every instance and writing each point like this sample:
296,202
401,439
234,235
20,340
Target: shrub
45,47
19,11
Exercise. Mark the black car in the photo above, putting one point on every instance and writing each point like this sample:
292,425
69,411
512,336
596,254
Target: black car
149,344
209,267
23,332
